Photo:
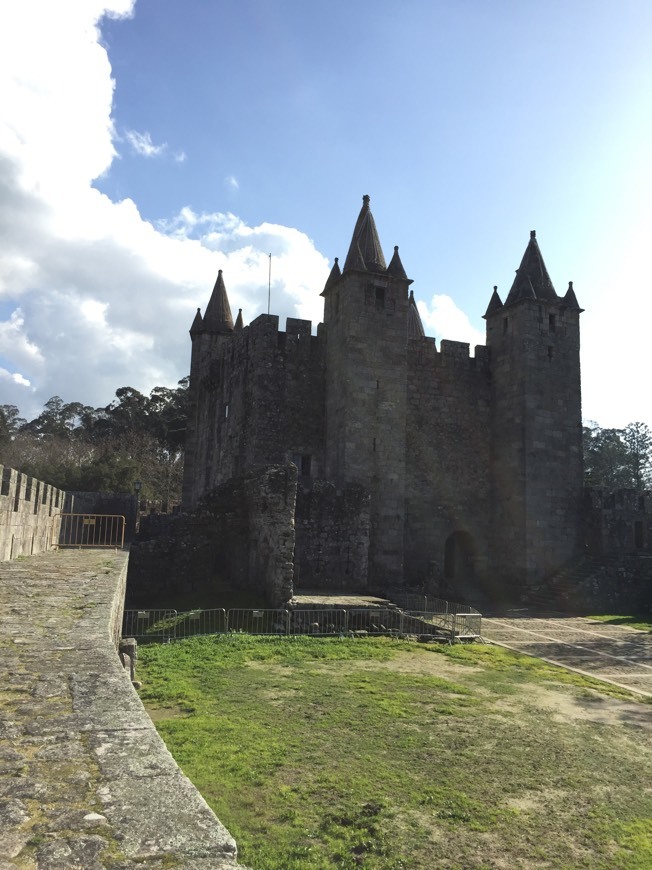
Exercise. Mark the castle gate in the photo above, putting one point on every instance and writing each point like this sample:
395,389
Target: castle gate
460,567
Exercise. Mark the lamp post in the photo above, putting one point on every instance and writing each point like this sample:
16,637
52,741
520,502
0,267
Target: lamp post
138,485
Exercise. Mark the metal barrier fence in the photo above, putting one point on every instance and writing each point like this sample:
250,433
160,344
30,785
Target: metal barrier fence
157,625
92,530
166,625
429,604
257,621
319,623
196,623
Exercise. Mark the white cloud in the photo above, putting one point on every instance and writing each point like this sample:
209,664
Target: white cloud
97,297
142,144
232,182
445,320
14,377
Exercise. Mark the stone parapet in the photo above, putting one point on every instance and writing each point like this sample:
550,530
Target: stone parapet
85,780
29,514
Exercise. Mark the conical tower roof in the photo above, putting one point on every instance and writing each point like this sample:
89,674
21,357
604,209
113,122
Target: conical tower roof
395,267
217,317
334,275
414,325
365,253
532,280
570,299
495,303
239,323
197,324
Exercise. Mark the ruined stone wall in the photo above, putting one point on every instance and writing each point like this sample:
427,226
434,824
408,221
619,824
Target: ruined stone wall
29,514
332,537
618,522
260,402
271,499
448,457
242,537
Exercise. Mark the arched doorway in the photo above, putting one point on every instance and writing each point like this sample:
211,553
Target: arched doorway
460,567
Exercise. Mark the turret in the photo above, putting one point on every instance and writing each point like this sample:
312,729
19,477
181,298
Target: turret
366,325
208,335
533,342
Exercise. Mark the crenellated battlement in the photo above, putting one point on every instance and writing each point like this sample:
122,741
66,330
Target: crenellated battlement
451,355
29,514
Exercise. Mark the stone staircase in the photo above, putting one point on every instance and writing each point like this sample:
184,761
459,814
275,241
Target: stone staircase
598,582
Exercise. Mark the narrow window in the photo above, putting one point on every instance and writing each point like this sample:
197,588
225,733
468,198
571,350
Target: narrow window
504,325
226,411
377,385
549,351
306,466
638,534
374,445
337,303
551,323
380,297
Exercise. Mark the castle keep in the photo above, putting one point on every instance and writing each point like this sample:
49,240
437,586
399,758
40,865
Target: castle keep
390,462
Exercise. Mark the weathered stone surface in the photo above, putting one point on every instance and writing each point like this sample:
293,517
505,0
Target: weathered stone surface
85,781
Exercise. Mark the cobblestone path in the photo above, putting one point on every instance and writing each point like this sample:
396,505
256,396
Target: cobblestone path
614,653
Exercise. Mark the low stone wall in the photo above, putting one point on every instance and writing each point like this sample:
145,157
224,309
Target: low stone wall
29,514
85,780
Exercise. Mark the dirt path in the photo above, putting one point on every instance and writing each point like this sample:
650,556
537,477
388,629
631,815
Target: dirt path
614,653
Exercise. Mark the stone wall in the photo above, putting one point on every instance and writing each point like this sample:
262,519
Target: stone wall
259,401
365,329
242,537
619,521
29,514
536,439
448,460
332,537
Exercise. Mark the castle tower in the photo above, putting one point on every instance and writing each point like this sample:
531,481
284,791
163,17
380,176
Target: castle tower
366,323
536,469
208,335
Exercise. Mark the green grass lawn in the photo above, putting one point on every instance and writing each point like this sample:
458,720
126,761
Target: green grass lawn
378,753
642,623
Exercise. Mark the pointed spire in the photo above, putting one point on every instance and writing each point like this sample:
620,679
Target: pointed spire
334,275
532,280
217,317
238,322
570,299
495,303
414,324
395,267
197,324
365,253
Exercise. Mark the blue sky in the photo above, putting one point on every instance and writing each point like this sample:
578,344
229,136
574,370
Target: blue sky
143,146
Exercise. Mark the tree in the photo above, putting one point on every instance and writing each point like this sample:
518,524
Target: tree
10,422
638,441
77,447
618,458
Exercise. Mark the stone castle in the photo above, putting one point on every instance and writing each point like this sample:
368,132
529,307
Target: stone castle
416,465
